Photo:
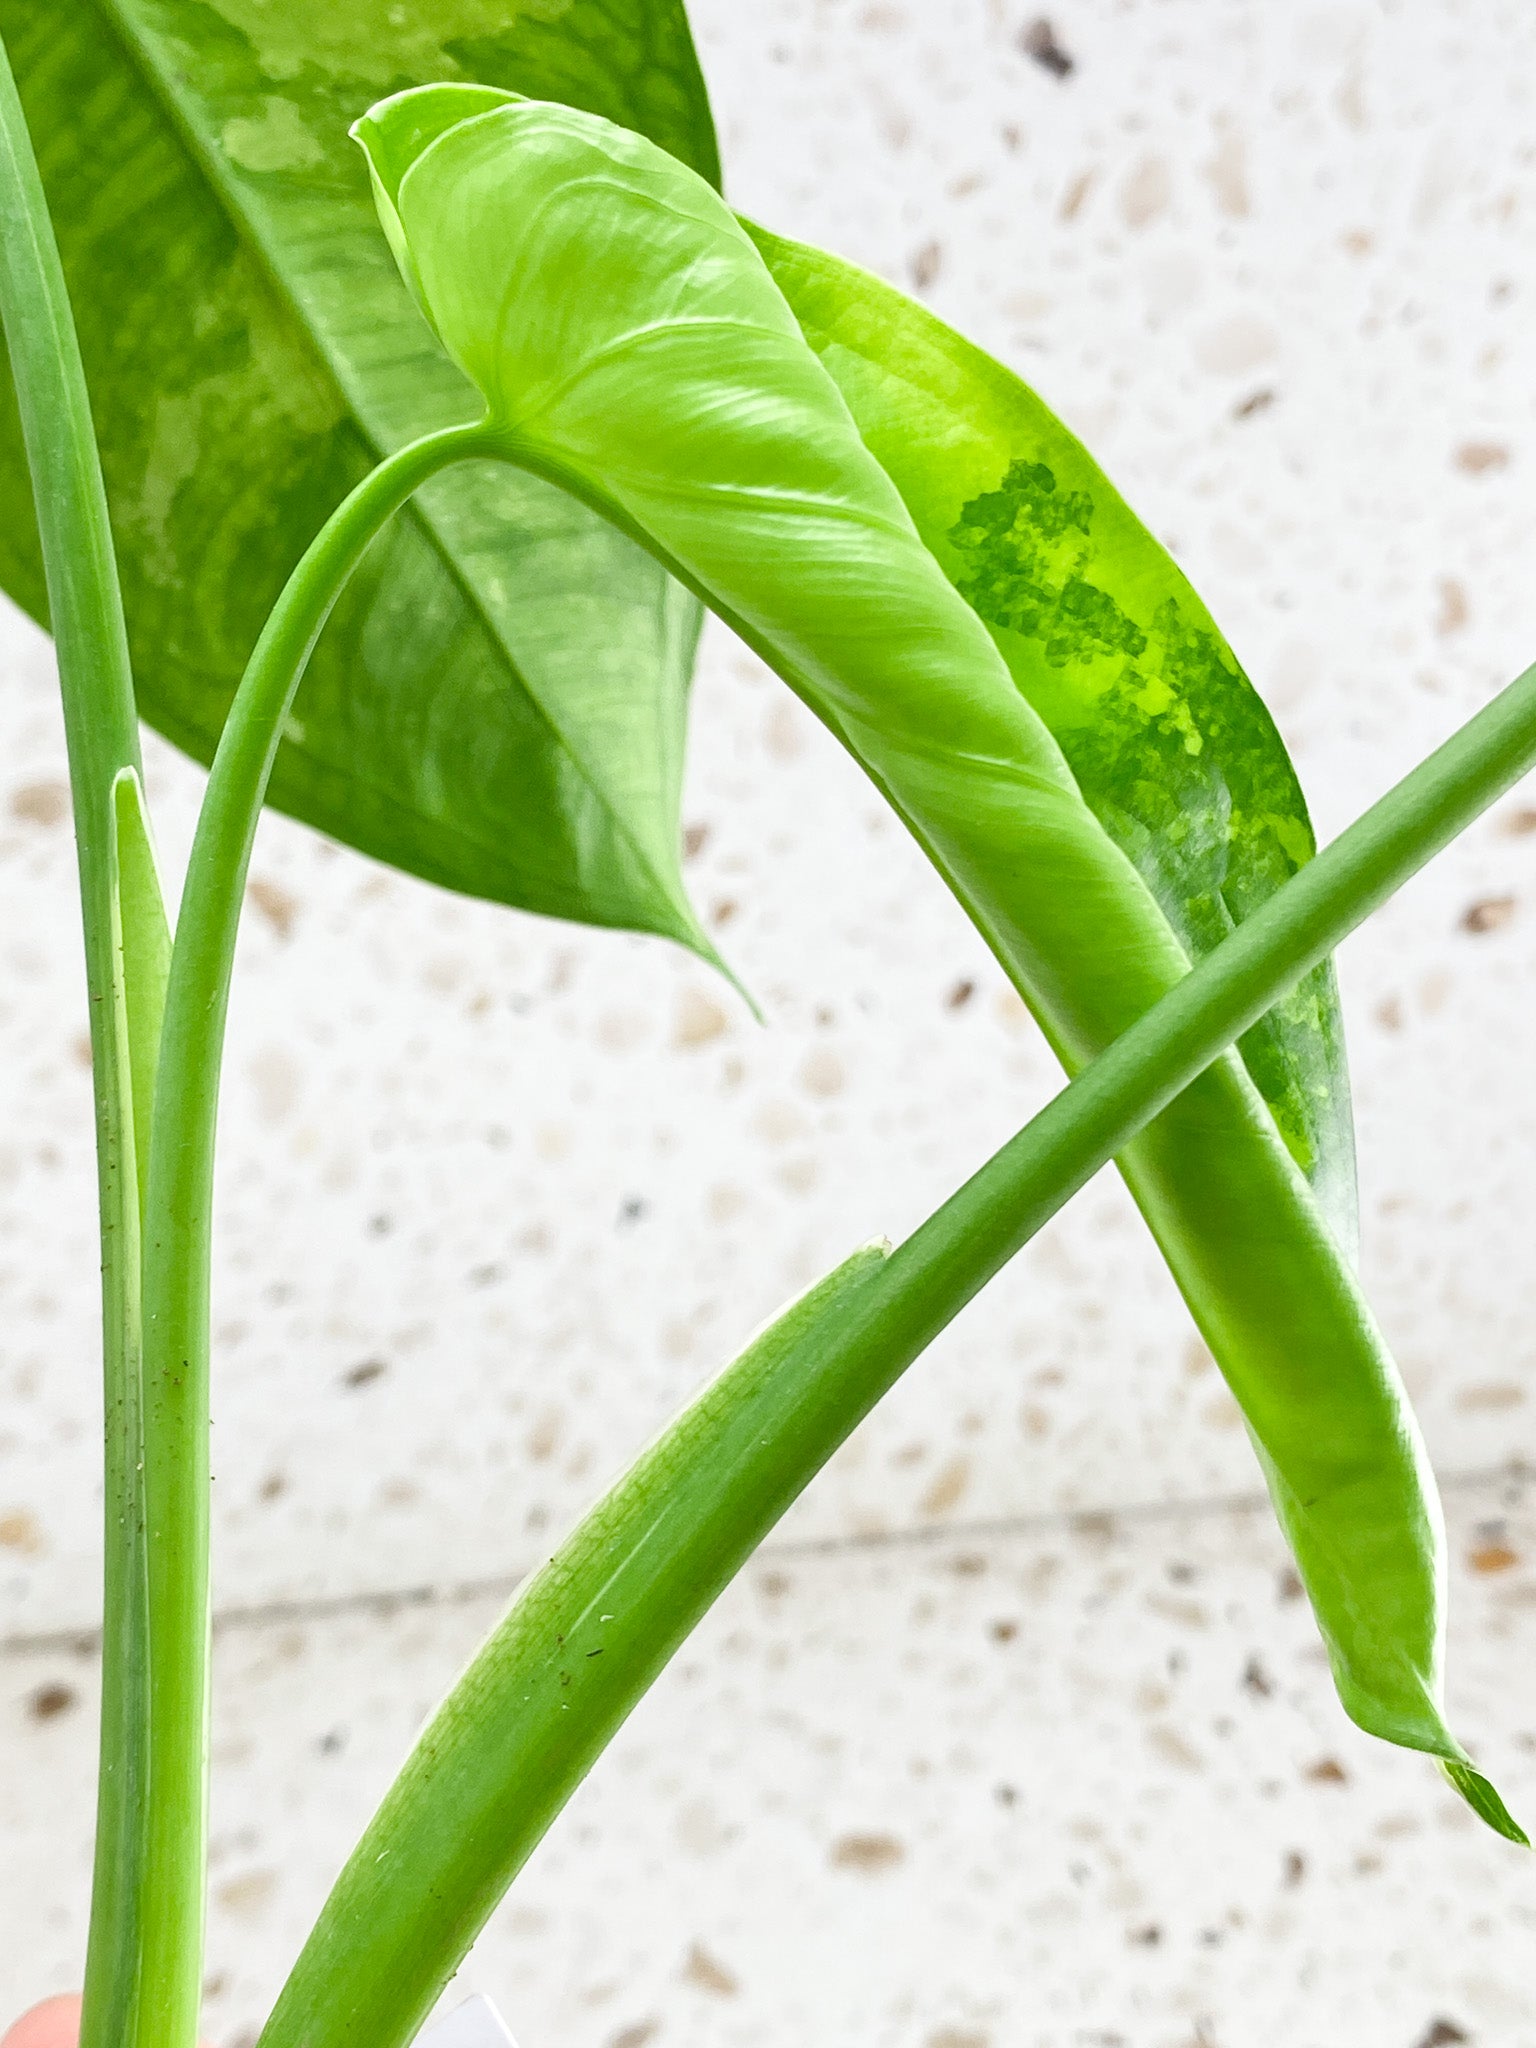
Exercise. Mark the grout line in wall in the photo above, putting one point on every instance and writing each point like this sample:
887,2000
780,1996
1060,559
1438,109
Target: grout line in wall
385,1603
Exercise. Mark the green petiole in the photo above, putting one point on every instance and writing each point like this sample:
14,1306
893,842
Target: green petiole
535,1708
176,1248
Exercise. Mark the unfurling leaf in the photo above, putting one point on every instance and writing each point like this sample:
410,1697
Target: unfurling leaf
631,346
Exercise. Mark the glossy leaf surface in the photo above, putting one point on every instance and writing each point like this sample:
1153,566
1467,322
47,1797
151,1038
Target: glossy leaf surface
630,343
1171,745
499,703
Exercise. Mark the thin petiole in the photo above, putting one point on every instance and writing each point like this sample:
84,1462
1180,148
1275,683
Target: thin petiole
176,1246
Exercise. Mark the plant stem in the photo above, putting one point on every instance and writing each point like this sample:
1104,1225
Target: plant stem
101,730
588,1634
176,1244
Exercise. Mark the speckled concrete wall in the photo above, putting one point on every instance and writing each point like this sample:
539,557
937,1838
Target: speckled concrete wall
1015,1737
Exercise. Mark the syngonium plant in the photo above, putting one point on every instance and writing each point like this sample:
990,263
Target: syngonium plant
664,407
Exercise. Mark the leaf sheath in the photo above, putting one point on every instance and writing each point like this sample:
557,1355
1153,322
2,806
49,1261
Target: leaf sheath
101,731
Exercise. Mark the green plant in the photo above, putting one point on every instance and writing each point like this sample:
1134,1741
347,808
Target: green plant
708,415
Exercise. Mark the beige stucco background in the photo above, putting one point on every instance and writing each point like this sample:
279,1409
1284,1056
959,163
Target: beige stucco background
1015,1736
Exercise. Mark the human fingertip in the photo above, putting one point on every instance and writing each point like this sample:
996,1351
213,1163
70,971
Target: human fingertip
53,2024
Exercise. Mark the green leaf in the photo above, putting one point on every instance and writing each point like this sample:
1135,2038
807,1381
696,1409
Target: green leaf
630,343
1171,745
499,703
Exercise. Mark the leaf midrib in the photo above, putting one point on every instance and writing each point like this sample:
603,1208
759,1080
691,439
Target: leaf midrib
133,44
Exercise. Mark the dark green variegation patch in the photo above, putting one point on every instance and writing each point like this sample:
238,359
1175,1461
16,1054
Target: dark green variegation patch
1024,546
1173,749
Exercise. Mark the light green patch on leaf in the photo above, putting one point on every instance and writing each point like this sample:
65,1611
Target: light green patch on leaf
273,140
373,43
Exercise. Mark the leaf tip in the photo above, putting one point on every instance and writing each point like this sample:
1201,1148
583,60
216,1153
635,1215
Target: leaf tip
689,932
1481,1795
398,130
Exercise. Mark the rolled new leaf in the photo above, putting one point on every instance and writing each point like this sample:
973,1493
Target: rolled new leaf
631,345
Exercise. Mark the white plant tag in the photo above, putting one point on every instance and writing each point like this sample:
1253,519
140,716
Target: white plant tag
474,2024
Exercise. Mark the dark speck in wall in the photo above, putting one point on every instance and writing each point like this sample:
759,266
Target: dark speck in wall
1479,458
1489,914
868,1854
1326,1771
1039,44
634,2036
926,265
49,1701
1256,1679
709,1974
